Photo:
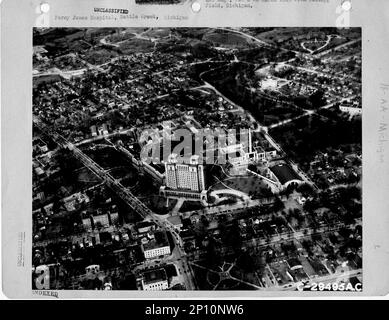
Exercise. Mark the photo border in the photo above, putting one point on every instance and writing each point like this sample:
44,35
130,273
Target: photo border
17,20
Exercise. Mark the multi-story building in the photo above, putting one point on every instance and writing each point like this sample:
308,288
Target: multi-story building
352,107
159,246
171,172
105,220
351,110
155,280
184,178
181,174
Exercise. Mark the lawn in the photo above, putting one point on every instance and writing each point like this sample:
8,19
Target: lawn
228,39
136,45
251,185
157,33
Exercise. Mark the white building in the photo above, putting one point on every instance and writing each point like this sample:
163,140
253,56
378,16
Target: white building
156,252
184,179
184,176
155,280
351,110
237,156
269,84
171,177
159,246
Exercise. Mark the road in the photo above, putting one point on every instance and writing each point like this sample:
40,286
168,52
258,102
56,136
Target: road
296,236
321,73
252,38
178,256
337,47
306,113
265,132
124,193
329,37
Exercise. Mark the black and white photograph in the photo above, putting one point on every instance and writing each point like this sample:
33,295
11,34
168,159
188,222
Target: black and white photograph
197,159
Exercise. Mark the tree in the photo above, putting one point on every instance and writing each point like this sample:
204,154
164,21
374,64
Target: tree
246,262
317,99
306,189
278,205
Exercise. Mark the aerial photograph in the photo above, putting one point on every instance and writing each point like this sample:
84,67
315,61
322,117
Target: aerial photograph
197,159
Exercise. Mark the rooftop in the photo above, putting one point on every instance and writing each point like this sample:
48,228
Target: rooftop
160,240
175,220
154,276
144,224
284,173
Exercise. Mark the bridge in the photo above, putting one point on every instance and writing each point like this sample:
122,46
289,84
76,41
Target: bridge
133,202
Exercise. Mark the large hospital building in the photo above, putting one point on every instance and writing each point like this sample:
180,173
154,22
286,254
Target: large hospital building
184,178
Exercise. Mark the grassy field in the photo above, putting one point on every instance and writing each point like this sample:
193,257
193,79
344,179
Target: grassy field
157,33
120,37
247,184
136,45
227,39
